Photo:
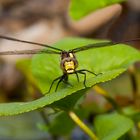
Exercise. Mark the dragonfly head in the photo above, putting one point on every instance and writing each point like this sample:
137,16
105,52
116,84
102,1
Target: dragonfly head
68,62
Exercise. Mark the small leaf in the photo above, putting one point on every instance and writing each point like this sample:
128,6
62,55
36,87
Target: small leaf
81,8
112,126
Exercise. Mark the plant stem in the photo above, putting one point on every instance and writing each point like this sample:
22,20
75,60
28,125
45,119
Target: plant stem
105,94
135,92
43,115
100,90
84,127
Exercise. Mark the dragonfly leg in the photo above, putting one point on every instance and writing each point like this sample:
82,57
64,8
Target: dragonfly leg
77,76
66,82
63,78
81,72
60,77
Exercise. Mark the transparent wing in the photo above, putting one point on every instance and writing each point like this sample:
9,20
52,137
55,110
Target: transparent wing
23,52
34,43
101,44
90,46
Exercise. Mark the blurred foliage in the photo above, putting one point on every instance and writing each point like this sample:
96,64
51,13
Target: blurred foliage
15,127
112,126
110,61
81,8
63,117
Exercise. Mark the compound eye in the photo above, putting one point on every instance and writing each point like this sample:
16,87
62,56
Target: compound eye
64,54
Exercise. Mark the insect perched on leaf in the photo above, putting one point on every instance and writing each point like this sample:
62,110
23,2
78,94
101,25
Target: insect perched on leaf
68,63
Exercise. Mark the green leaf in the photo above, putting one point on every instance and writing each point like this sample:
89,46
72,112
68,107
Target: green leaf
7,109
58,121
64,119
112,126
81,8
46,67
24,65
69,102
132,112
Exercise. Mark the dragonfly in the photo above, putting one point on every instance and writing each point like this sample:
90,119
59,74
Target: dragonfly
68,61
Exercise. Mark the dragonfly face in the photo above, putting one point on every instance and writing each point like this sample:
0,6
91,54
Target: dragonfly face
68,62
